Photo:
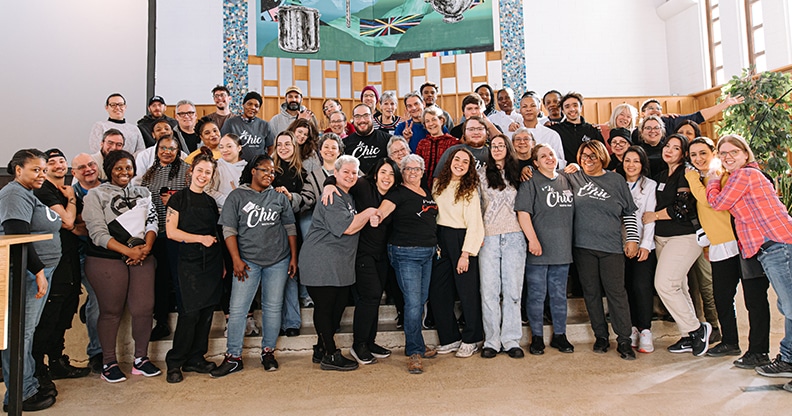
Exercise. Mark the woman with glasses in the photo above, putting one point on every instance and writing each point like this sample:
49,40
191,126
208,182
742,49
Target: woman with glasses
166,176
652,140
764,230
398,148
338,124
619,142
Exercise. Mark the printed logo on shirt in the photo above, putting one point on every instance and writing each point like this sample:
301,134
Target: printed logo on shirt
351,209
258,216
585,138
593,191
248,139
362,150
121,204
563,199
52,216
426,206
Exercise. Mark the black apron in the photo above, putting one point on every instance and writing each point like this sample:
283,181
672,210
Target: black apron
200,267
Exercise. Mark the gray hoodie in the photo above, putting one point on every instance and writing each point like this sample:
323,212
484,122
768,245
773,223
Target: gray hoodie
283,120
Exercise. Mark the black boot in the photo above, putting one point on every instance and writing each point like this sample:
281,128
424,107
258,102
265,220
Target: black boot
61,368
46,386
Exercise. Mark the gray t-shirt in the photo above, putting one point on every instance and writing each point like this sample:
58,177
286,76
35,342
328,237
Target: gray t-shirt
552,207
262,222
18,203
600,204
328,255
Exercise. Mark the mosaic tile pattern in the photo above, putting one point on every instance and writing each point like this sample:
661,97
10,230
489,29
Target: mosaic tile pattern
512,35
235,50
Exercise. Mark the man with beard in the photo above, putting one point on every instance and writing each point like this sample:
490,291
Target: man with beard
574,130
256,135
64,291
291,110
552,104
86,177
115,105
156,108
412,128
367,144
112,139
222,100
429,94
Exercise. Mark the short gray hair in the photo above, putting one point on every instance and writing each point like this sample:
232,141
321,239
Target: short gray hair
523,130
332,136
395,139
412,157
388,96
345,160
412,94
185,102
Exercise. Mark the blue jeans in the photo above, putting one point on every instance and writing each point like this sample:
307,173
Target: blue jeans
543,279
272,280
294,290
91,314
501,267
413,266
777,264
33,309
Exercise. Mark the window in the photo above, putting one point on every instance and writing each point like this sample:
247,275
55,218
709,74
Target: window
717,74
754,23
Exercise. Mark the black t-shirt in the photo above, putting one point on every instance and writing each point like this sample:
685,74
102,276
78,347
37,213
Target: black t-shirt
655,155
372,240
67,274
192,140
666,194
414,219
189,204
367,149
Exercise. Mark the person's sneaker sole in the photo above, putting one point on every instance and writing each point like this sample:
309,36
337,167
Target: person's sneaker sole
360,360
331,367
118,380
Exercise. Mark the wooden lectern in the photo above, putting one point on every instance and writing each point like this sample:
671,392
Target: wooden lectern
13,258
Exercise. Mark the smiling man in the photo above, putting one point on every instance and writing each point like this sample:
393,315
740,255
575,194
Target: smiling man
256,135
574,130
115,105
112,139
506,119
366,144
222,100
156,112
291,110
412,128
529,110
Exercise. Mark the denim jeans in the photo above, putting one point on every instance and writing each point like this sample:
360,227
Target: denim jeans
413,266
33,309
91,314
547,280
501,267
295,291
273,281
777,264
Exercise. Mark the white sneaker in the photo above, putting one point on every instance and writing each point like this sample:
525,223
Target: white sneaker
307,302
634,337
466,350
251,330
646,343
449,348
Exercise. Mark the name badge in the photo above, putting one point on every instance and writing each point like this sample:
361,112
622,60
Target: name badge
660,187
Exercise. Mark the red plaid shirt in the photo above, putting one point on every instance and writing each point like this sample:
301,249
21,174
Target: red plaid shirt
430,149
758,213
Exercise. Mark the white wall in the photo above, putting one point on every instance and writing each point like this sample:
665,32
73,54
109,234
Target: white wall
60,61
189,49
778,32
598,48
688,50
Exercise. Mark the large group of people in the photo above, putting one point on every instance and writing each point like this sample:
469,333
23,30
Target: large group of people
491,217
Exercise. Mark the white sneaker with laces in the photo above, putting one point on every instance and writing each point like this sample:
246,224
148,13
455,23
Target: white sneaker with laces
634,335
251,330
449,348
646,343
466,350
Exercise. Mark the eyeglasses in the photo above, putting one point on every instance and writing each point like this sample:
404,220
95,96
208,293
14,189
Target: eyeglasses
588,156
652,108
521,139
336,121
498,147
618,143
655,128
412,169
361,116
399,152
475,128
733,154
265,171
116,105
220,95
186,114
168,149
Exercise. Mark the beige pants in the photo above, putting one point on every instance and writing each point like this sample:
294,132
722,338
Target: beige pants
675,256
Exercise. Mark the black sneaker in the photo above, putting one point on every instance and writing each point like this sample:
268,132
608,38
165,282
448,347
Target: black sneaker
399,320
202,367
625,351
95,363
174,375
751,360
145,367
683,345
338,362
537,346
379,351
776,368
268,360
488,352
700,339
35,403
361,354
723,349
46,386
61,368
560,342
601,345
318,354
111,373
515,352
160,331
229,365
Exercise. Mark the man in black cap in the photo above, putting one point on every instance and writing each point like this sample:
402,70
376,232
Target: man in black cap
291,110
156,112
256,135
64,292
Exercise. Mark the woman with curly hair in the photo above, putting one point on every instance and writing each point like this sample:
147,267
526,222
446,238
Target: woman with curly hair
307,139
460,232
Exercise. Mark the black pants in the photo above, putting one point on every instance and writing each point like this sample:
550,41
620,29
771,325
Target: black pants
163,284
329,304
446,284
725,278
56,318
370,277
191,338
639,282
600,270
